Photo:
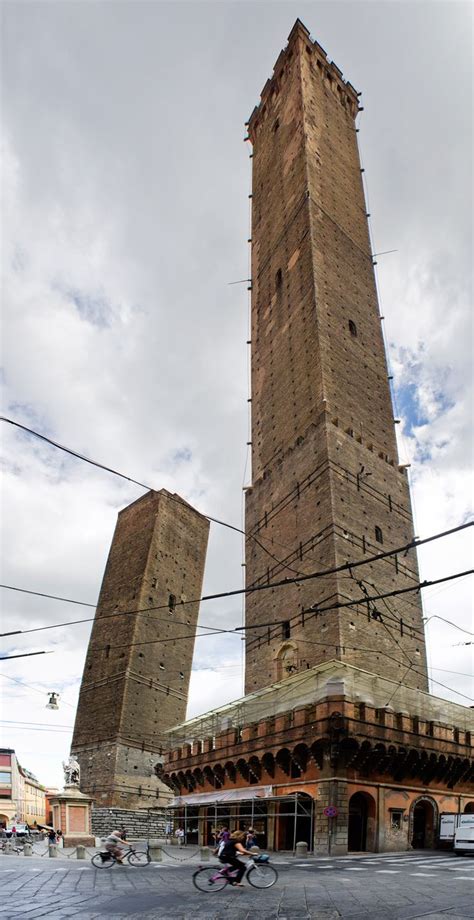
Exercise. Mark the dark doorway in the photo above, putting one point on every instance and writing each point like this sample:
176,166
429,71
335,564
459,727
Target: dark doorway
358,815
294,821
423,826
469,809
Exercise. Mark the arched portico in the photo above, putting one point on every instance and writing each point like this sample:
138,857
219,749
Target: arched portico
469,808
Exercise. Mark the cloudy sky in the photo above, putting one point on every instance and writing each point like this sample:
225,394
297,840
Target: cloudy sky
125,184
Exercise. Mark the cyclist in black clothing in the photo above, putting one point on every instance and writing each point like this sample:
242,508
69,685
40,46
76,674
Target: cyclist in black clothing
234,846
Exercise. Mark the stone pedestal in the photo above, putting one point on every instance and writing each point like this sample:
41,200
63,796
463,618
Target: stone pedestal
72,814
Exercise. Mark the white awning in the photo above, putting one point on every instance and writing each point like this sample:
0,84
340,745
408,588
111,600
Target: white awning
229,795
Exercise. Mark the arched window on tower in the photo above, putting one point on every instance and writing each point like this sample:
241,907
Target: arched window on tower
286,660
378,534
352,328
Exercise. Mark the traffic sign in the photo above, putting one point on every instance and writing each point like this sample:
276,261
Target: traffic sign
330,811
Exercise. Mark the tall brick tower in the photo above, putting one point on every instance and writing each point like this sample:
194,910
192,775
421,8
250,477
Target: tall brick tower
327,487
138,665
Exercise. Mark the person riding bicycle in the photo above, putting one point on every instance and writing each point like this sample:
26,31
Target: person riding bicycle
113,844
235,846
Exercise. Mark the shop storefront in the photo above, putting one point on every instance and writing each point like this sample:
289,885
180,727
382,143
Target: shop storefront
279,821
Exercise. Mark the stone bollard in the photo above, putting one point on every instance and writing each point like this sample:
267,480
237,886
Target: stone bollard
52,850
8,848
301,848
205,854
155,850
80,851
27,849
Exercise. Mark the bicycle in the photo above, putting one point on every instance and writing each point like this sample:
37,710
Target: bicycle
136,858
258,873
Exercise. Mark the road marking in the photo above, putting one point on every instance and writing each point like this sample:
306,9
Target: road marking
465,878
423,874
354,869
387,871
459,868
324,867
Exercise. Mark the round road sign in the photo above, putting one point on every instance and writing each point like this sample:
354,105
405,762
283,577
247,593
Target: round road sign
330,811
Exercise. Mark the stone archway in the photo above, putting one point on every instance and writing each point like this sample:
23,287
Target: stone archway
468,809
423,823
362,822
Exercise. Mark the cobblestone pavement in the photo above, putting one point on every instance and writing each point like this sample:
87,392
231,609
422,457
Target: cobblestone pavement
432,886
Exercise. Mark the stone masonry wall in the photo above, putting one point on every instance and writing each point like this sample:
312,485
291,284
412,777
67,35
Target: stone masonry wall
138,824
326,484
137,670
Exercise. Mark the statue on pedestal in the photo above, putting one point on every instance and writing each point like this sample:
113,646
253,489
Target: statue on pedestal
72,772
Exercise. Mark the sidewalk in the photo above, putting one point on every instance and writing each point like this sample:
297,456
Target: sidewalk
192,855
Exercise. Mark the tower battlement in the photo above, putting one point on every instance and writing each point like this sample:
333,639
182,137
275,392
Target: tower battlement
328,70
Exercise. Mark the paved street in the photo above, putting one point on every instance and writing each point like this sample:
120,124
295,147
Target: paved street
434,886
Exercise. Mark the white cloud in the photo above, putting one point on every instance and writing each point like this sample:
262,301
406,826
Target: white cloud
125,185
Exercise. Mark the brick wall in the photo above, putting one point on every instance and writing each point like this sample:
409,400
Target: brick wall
137,670
326,484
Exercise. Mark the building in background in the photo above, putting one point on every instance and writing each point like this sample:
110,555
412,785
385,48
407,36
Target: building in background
22,797
136,674
34,799
338,741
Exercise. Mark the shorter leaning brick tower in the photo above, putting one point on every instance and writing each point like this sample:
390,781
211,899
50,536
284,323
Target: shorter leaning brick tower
138,665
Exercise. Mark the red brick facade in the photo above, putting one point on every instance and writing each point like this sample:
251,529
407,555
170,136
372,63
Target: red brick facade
134,687
326,483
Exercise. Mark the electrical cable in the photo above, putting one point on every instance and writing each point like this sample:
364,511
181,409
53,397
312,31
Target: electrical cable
311,611
36,689
450,623
347,566
357,648
142,485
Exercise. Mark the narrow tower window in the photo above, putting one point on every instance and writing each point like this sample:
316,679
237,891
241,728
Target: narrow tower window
286,630
352,328
172,602
278,278
378,534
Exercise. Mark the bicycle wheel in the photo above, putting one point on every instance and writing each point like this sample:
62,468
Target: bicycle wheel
209,879
263,876
103,860
138,858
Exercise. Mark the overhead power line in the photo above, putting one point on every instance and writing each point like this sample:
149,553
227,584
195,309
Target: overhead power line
23,655
346,566
142,485
36,689
449,622
238,629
